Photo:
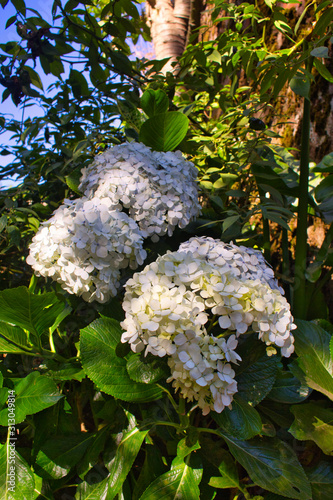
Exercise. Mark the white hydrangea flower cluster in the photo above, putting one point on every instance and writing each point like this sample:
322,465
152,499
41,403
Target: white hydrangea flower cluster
201,369
168,304
158,190
84,245
248,262
87,241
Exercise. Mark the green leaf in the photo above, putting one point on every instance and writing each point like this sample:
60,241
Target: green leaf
325,19
98,343
152,468
325,165
35,313
179,482
270,3
13,339
273,465
312,347
125,455
320,52
228,469
57,456
242,422
165,131
229,221
64,371
325,189
146,371
218,460
34,77
277,412
315,423
33,393
321,479
78,83
24,484
73,181
288,389
91,456
300,85
19,6
154,102
94,491
323,71
255,376
183,450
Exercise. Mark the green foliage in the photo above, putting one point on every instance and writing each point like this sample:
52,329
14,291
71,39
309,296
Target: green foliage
273,465
98,344
92,419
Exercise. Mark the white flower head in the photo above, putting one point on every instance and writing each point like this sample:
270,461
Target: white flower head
170,303
246,262
84,245
159,190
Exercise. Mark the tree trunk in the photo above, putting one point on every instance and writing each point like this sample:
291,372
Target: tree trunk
169,24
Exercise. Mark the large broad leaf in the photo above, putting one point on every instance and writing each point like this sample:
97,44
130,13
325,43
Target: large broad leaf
146,371
98,343
256,374
321,479
165,131
125,455
273,465
314,358
12,465
313,422
13,339
57,456
154,102
242,421
33,393
179,482
288,389
35,313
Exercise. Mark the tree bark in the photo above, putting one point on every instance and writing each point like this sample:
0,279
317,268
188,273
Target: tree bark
169,24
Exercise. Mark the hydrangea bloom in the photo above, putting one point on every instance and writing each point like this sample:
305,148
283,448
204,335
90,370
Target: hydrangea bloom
247,262
168,304
159,190
84,245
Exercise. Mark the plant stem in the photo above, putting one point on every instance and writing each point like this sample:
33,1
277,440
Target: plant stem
285,261
299,301
172,401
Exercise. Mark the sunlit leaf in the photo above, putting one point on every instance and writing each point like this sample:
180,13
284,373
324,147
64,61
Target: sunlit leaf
98,343
314,358
33,393
154,102
165,131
